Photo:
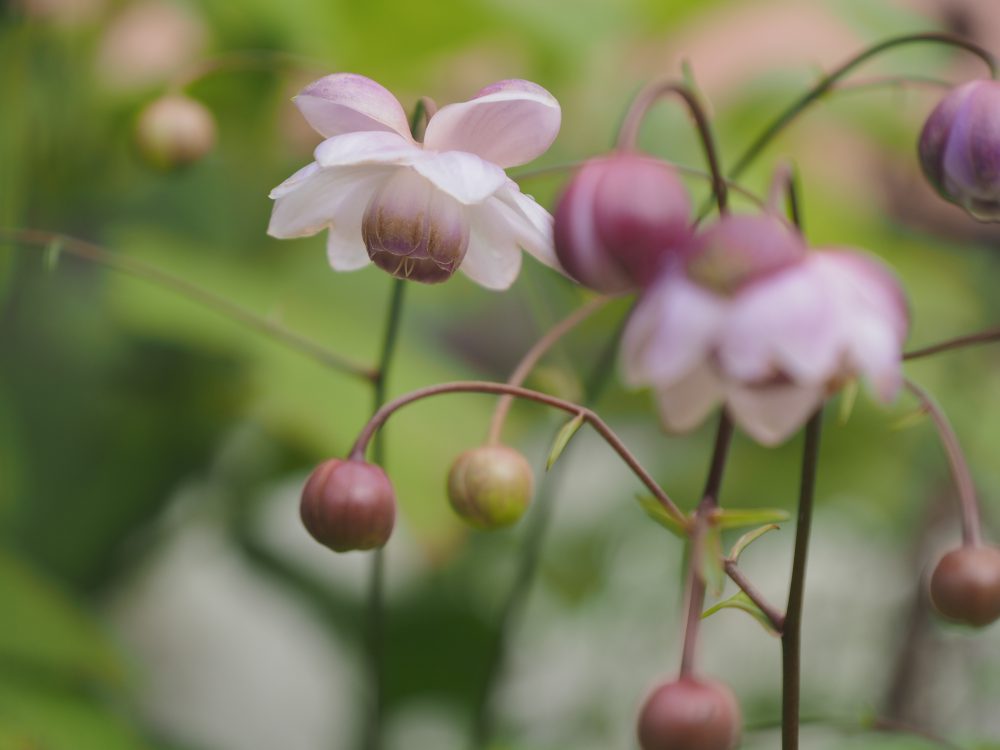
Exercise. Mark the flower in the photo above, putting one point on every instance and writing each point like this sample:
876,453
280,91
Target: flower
766,327
960,148
421,210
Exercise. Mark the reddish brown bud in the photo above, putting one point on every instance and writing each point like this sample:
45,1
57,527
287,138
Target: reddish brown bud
175,130
619,220
490,486
348,505
690,714
965,585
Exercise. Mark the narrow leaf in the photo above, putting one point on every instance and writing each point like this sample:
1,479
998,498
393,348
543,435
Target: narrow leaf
712,568
848,399
743,603
749,538
915,417
52,254
737,518
655,510
562,439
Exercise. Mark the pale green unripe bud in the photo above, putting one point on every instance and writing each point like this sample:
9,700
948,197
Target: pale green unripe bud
490,486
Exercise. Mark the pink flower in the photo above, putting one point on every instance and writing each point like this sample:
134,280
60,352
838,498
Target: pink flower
771,340
421,210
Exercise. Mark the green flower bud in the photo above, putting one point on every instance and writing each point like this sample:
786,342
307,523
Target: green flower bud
490,486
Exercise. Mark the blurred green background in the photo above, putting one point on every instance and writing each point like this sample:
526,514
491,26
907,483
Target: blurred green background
156,589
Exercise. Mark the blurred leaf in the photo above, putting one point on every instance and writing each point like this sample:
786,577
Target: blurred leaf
910,419
562,439
848,398
737,518
52,254
655,510
749,538
743,603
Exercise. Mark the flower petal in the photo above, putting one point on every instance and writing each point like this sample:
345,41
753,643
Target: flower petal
348,103
345,246
352,149
308,201
685,404
493,260
772,413
530,223
465,177
507,123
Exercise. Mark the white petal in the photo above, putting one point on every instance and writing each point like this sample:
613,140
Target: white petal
771,414
465,177
674,327
508,123
685,404
530,223
308,201
345,248
352,149
493,260
347,103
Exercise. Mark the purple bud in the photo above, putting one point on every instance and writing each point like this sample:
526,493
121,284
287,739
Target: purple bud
348,505
618,221
960,148
965,585
490,486
415,231
738,249
690,714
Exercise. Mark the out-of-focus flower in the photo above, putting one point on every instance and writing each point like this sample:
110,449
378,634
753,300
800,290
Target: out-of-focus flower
619,219
960,148
175,130
755,321
64,13
421,210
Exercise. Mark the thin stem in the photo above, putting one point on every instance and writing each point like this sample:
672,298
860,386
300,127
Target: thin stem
629,132
971,524
775,616
720,454
828,82
477,386
989,336
532,357
98,255
791,635
695,587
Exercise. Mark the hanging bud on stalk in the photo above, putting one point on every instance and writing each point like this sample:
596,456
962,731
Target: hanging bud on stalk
619,220
965,585
348,505
690,714
175,130
490,486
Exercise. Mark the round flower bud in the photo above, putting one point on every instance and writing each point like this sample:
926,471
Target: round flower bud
690,714
490,486
348,505
175,130
740,248
618,221
960,148
965,585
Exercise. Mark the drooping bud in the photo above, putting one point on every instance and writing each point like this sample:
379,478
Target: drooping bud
738,249
690,714
490,486
965,585
348,505
175,130
960,148
414,231
619,220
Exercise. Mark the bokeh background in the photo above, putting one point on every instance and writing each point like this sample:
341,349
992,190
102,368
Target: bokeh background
156,589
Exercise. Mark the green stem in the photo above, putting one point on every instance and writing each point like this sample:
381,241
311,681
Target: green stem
791,635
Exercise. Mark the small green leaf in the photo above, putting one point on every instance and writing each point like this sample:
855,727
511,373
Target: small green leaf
848,399
738,518
562,439
912,419
655,510
52,254
749,538
743,603
712,569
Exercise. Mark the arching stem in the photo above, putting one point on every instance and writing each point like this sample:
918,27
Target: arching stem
988,336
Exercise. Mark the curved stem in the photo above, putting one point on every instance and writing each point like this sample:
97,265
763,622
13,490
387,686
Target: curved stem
695,587
828,82
532,357
629,132
791,635
96,254
737,576
971,524
478,386
988,336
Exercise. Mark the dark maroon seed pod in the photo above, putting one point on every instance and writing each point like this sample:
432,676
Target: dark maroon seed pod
690,714
348,505
965,585
619,221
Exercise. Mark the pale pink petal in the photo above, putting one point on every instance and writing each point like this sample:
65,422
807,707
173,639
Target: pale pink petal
352,149
347,103
874,351
530,223
674,327
685,404
771,414
345,248
465,177
308,201
493,260
783,324
508,123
